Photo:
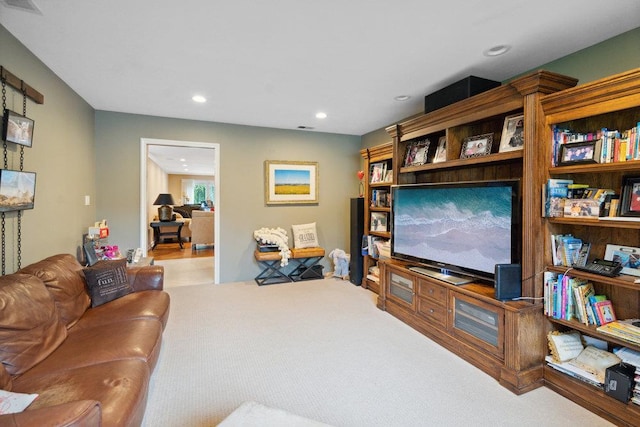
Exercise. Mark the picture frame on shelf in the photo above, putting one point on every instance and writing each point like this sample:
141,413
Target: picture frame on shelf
573,153
512,133
417,152
377,173
628,256
17,128
379,222
630,196
441,150
476,146
17,190
290,182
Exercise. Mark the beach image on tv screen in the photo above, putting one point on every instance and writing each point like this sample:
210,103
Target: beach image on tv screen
467,227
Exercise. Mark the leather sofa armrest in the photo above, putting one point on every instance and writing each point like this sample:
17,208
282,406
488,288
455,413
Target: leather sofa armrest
81,413
146,278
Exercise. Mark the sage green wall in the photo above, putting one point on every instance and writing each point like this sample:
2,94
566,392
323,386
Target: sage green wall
62,155
612,56
243,150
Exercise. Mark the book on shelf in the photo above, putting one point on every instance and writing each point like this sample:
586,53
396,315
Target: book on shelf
554,194
622,329
380,198
574,371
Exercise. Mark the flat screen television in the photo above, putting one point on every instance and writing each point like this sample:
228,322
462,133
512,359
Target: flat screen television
457,230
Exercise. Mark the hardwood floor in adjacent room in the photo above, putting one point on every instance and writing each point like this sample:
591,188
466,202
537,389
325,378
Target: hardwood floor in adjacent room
165,251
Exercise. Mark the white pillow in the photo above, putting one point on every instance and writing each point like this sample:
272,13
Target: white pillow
305,236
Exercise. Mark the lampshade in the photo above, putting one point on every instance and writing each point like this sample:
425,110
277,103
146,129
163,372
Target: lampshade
164,199
165,211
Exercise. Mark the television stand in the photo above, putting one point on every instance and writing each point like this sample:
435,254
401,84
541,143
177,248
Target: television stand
454,280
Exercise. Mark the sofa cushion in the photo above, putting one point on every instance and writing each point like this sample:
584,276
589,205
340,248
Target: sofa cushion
62,274
107,280
305,236
30,328
138,305
5,379
121,386
128,339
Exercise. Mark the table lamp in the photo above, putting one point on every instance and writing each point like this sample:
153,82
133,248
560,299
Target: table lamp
165,211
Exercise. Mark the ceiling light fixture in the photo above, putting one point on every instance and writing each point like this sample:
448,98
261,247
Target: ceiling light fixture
497,50
402,98
321,115
199,98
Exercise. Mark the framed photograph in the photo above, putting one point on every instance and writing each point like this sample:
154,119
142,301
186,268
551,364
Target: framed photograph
512,133
441,150
476,146
378,172
580,152
17,190
17,129
290,182
417,152
628,256
630,197
379,221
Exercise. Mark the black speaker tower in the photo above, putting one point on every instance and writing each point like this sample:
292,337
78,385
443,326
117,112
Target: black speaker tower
355,236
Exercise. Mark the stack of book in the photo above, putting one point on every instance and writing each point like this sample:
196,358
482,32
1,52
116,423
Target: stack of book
567,298
568,250
380,199
631,357
622,329
615,146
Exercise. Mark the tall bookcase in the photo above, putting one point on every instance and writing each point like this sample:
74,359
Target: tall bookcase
376,185
504,339
612,103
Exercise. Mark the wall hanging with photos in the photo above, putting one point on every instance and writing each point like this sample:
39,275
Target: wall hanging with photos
17,187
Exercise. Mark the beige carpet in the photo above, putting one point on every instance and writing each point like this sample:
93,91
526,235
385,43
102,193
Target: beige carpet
187,271
322,350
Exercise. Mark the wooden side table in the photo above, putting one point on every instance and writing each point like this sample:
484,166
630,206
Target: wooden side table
157,234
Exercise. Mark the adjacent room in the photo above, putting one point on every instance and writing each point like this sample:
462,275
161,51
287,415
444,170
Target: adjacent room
296,214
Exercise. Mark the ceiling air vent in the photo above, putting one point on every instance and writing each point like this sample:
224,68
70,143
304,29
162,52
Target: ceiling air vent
24,5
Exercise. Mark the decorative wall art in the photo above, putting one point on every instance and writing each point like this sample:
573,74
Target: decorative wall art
290,182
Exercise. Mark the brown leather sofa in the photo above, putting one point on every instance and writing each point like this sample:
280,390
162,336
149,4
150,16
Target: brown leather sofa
90,366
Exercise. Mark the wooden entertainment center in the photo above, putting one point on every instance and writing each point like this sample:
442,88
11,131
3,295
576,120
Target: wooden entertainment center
508,340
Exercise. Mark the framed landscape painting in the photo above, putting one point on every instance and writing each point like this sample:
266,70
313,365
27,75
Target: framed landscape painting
290,182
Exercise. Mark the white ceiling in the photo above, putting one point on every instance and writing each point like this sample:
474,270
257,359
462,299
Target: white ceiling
183,160
279,62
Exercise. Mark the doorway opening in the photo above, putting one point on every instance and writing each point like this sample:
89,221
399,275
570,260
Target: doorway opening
212,167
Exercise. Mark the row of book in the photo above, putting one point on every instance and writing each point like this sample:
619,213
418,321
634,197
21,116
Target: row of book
567,297
615,146
376,247
563,197
569,251
380,199
631,357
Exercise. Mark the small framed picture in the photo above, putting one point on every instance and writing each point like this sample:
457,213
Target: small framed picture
417,153
379,221
512,133
476,146
630,197
441,150
628,256
580,152
17,129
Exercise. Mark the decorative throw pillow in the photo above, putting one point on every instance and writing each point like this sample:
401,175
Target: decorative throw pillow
595,361
304,236
564,346
107,280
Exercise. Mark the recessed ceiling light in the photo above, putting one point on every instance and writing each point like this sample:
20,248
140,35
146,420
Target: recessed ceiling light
402,98
497,50
321,115
305,127
199,98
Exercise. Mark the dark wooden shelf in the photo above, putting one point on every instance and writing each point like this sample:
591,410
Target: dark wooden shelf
633,165
623,280
460,163
617,222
